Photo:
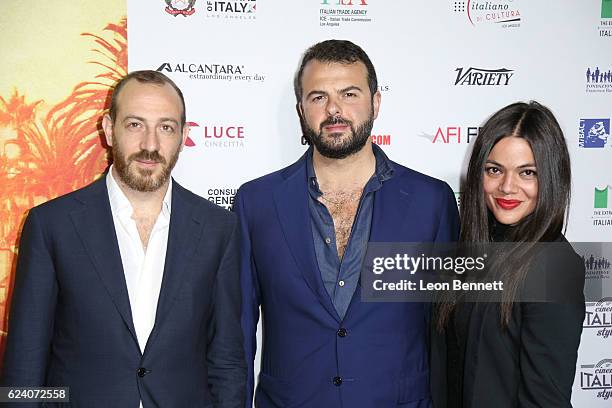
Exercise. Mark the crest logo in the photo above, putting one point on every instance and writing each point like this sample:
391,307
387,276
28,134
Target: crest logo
593,133
180,7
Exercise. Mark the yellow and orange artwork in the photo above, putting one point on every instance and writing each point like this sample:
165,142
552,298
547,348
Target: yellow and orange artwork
59,70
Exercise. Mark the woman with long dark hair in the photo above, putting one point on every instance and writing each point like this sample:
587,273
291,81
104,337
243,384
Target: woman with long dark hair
513,352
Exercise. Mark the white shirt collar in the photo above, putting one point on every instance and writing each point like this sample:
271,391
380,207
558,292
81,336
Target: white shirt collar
120,203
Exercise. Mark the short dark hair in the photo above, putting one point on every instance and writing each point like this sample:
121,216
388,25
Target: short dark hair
341,51
145,77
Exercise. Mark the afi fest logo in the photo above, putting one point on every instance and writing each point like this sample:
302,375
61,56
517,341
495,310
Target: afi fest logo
452,134
180,7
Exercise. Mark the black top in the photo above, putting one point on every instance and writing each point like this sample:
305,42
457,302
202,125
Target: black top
477,363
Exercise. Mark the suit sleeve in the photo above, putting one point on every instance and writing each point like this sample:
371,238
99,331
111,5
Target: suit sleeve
226,367
448,227
550,336
32,309
250,296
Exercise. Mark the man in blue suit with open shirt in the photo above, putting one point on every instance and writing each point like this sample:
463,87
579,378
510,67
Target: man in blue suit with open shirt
304,233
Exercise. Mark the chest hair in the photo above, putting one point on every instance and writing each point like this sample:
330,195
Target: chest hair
342,206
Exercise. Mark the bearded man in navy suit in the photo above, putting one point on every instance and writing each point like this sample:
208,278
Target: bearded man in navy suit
305,230
127,291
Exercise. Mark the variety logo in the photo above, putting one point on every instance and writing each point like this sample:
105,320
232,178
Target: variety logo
593,133
504,13
452,134
234,9
598,80
483,77
216,136
602,213
334,13
605,24
597,378
180,7
222,196
213,72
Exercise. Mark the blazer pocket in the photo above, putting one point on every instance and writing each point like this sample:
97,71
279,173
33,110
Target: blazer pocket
272,391
414,388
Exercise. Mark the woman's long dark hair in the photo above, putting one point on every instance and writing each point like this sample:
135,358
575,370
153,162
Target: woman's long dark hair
537,126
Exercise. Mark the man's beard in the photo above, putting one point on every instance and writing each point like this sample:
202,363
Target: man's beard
334,147
142,179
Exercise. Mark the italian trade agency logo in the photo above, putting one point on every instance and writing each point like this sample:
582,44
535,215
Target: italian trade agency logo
336,13
597,378
180,7
233,9
502,13
593,133
605,24
602,203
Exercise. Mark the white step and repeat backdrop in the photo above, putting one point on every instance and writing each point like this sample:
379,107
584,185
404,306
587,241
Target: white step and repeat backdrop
444,66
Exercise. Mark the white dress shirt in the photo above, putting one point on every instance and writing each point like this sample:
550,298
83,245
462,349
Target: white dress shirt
143,270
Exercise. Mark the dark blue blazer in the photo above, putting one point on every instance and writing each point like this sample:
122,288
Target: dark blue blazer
376,357
71,323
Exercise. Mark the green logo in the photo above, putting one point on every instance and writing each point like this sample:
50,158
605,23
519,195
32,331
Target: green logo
601,197
606,8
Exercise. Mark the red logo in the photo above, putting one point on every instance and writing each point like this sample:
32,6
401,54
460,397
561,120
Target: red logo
452,135
217,133
180,7
381,140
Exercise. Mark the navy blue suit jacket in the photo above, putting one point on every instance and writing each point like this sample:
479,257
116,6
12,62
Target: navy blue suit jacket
381,355
71,322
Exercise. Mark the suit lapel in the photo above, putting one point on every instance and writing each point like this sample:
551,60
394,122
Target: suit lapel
183,237
94,225
390,213
291,199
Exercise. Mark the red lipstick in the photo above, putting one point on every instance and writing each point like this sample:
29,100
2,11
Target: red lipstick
507,204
